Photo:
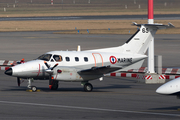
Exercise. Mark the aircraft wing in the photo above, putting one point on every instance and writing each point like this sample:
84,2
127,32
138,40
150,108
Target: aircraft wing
99,70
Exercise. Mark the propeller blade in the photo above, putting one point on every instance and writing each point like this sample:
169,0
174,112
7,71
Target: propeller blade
50,70
46,64
12,64
18,81
22,60
54,66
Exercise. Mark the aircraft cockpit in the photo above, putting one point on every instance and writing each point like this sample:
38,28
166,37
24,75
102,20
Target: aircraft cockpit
45,57
57,58
48,57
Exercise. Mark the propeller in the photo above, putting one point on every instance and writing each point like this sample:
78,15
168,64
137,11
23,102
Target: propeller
51,78
46,64
22,61
12,64
54,66
50,70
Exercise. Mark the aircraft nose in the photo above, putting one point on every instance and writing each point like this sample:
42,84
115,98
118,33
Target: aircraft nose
9,72
162,90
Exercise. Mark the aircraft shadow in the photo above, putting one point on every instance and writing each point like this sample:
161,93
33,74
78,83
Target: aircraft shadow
114,86
166,108
75,89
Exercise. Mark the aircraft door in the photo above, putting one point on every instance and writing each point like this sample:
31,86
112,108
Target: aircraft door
98,59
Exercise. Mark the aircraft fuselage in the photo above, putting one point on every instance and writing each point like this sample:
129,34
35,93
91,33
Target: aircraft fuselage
70,62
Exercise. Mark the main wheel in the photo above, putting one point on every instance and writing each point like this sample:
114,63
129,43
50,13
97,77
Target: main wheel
88,87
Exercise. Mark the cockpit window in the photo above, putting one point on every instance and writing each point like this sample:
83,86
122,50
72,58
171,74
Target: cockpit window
45,57
52,60
57,58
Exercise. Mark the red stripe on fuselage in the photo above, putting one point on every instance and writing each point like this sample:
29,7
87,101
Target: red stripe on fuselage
39,70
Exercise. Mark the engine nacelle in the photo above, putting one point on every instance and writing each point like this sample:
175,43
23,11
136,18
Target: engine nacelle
66,74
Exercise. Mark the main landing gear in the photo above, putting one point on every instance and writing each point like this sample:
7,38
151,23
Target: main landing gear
87,86
53,84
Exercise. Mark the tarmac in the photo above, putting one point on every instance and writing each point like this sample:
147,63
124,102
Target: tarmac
113,98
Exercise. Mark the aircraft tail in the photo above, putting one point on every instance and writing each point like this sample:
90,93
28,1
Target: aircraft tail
139,42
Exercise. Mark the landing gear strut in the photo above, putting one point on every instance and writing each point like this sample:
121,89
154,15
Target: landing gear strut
53,84
33,88
87,86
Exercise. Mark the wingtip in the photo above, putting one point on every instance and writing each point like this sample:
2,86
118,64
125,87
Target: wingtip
170,25
134,23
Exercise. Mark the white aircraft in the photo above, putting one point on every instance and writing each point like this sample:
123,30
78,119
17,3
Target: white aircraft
170,88
83,66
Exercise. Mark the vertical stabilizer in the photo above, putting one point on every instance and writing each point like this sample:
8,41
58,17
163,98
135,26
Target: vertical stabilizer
140,41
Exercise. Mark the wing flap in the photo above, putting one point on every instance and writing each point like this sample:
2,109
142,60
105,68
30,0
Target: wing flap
98,70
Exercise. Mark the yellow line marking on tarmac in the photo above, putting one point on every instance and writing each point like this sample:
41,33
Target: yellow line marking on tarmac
29,90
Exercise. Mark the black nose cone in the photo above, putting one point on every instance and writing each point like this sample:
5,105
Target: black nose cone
8,72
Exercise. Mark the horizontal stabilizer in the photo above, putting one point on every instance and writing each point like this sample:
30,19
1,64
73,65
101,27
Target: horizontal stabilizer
157,25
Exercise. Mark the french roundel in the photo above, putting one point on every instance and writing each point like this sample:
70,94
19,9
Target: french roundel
113,60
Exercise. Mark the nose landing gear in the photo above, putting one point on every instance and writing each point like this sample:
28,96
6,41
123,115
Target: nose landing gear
29,86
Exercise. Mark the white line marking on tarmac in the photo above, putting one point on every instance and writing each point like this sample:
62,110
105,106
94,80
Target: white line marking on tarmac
87,108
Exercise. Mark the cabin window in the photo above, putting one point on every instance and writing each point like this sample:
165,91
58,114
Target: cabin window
67,59
76,59
57,58
85,59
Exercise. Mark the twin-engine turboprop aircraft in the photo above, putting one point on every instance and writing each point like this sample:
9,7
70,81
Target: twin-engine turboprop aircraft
83,66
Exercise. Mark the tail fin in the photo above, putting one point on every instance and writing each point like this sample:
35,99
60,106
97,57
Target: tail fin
139,42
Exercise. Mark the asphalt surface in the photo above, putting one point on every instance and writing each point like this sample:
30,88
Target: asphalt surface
106,17
112,98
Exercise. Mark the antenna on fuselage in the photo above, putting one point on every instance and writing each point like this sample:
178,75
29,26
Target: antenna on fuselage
78,48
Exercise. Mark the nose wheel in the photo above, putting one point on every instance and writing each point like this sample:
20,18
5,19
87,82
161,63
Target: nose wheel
29,86
33,88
